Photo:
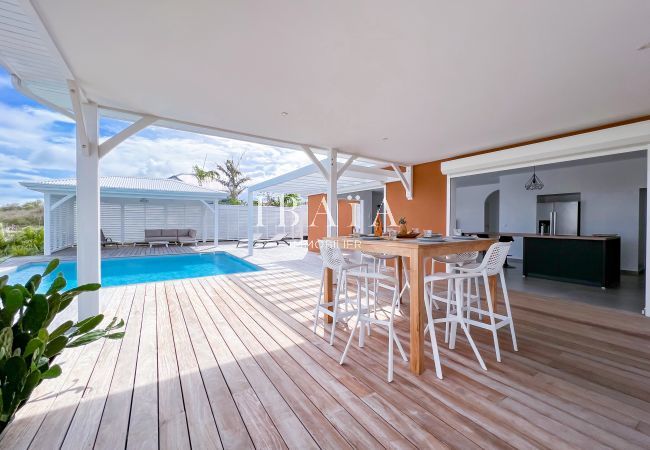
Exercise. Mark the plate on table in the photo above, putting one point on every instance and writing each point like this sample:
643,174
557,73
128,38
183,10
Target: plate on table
465,238
370,238
429,240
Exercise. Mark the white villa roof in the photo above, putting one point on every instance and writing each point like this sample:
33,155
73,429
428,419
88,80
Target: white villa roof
377,79
131,187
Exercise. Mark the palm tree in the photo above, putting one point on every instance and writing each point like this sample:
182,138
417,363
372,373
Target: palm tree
202,175
231,178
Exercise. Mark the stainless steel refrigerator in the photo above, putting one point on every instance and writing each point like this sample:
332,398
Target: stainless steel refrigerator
558,214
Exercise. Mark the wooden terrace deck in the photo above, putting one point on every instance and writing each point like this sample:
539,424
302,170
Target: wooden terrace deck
231,362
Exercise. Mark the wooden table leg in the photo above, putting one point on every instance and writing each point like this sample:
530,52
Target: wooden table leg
328,294
417,312
492,281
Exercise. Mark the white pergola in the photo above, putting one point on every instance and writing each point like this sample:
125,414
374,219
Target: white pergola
370,81
128,207
332,177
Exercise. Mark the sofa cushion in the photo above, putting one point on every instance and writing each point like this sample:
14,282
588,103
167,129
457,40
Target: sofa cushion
169,234
152,233
183,232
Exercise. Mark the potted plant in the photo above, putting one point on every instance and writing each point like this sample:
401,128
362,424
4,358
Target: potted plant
28,347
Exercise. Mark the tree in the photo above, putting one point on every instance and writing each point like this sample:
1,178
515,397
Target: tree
230,177
290,200
202,175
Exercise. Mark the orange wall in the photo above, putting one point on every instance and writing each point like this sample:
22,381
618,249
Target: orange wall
427,209
318,223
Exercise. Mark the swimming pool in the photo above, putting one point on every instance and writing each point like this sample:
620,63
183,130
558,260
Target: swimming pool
121,271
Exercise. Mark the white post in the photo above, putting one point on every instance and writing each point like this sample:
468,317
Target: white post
47,230
249,223
88,216
646,311
216,222
332,195
451,206
122,224
204,224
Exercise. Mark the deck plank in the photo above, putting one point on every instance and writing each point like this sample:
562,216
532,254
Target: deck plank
258,423
143,421
172,422
53,431
325,434
200,418
113,428
288,425
85,425
230,424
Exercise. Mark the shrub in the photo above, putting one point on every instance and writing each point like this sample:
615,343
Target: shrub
26,242
27,348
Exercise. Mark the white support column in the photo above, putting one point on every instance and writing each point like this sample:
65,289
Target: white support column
122,224
88,214
646,311
204,222
450,206
47,227
332,194
216,222
249,223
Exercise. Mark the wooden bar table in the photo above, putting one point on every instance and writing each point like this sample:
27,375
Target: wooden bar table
417,253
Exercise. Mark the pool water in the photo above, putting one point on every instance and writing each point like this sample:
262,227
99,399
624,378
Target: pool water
121,271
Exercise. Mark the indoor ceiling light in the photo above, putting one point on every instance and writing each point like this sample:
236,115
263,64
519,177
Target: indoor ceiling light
384,139
644,47
534,183
284,113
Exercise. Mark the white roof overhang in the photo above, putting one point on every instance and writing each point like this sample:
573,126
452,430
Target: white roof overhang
68,189
308,180
435,78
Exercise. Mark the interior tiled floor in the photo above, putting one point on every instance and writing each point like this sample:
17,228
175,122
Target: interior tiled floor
629,296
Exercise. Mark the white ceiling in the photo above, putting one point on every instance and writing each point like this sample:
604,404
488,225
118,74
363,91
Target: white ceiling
437,78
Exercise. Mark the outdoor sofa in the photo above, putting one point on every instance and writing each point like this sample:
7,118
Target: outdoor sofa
172,235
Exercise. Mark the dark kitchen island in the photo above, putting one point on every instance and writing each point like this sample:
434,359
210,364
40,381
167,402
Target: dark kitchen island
591,260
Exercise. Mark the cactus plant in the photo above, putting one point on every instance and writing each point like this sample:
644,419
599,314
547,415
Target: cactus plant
28,347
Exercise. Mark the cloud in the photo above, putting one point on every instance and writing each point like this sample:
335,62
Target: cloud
36,143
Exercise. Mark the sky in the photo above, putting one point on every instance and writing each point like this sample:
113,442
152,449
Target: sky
37,143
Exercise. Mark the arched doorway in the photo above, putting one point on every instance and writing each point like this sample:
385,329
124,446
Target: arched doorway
491,212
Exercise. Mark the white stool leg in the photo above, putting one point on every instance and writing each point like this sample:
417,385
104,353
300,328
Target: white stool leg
450,296
493,327
335,308
506,300
478,298
318,303
459,299
434,341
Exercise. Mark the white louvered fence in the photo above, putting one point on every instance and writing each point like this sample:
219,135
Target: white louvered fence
124,220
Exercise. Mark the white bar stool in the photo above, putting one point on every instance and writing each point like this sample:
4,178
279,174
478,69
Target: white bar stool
364,318
454,317
452,261
333,259
492,265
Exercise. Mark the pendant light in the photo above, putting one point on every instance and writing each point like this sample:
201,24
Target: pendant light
534,183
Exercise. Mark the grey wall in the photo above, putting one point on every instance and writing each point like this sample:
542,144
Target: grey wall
609,201
470,202
368,208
